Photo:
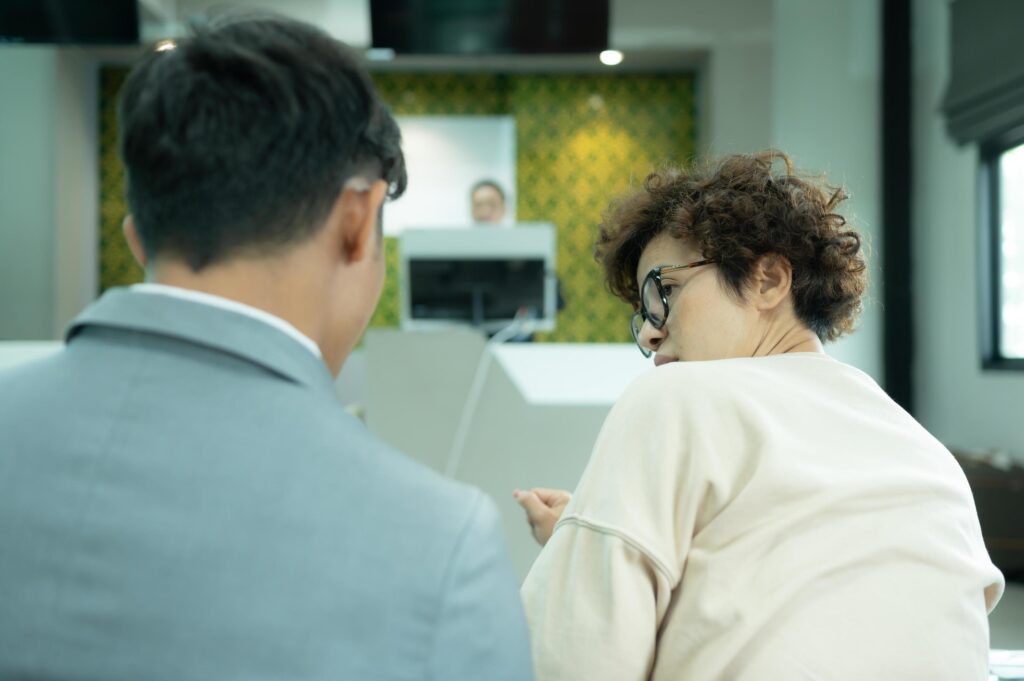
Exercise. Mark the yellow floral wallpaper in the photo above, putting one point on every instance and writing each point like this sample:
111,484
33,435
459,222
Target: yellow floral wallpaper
581,139
117,267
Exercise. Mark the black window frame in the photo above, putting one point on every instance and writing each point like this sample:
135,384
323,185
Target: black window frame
991,257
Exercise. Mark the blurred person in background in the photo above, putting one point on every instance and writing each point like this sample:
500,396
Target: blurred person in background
487,203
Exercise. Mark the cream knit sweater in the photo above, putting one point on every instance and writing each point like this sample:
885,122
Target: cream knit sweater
775,518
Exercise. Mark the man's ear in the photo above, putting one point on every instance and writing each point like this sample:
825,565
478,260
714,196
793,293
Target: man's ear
131,235
358,211
772,280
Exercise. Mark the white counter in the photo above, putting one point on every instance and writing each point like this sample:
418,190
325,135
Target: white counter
497,417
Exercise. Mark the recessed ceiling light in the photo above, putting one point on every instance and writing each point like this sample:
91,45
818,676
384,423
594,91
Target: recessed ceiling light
611,57
165,45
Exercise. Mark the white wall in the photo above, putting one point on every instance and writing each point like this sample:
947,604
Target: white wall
739,97
27,191
958,402
76,221
826,113
445,156
48,191
734,90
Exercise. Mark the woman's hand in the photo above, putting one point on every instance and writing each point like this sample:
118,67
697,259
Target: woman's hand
543,509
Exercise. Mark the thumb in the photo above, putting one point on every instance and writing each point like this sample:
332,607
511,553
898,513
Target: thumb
554,498
531,503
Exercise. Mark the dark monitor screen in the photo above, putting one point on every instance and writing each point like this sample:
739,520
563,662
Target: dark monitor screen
79,22
490,26
475,291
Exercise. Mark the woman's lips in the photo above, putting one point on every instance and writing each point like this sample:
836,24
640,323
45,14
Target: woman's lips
662,359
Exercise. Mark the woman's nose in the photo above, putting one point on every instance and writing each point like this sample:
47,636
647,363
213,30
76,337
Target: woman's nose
651,337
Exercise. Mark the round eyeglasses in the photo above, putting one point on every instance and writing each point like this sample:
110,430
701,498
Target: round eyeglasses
654,301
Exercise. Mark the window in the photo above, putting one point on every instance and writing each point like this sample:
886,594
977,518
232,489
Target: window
1004,307
1011,250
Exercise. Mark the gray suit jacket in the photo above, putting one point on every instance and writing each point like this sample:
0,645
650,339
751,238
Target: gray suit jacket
182,497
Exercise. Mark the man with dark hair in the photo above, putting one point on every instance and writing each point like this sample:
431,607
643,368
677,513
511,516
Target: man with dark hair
181,495
487,202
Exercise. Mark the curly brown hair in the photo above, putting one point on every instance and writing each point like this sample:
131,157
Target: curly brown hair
734,211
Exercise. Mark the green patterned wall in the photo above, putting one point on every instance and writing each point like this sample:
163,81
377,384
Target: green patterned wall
581,139
117,267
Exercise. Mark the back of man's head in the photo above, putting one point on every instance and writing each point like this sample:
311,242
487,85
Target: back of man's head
239,140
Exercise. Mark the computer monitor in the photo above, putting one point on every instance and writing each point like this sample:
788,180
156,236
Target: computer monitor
479,276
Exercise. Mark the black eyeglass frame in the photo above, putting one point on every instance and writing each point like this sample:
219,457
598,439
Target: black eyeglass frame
643,315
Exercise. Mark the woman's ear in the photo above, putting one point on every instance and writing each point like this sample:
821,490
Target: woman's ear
772,281
131,235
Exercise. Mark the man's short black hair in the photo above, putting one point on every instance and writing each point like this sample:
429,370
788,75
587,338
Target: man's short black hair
488,183
239,139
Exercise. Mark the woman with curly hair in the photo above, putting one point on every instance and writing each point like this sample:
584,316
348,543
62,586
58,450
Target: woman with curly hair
753,509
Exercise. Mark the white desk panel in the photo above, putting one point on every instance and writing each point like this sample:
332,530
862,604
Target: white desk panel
572,373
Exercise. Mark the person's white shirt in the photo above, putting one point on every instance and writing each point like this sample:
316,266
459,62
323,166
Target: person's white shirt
232,306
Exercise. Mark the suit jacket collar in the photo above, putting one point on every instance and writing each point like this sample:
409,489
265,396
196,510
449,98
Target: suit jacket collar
222,330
